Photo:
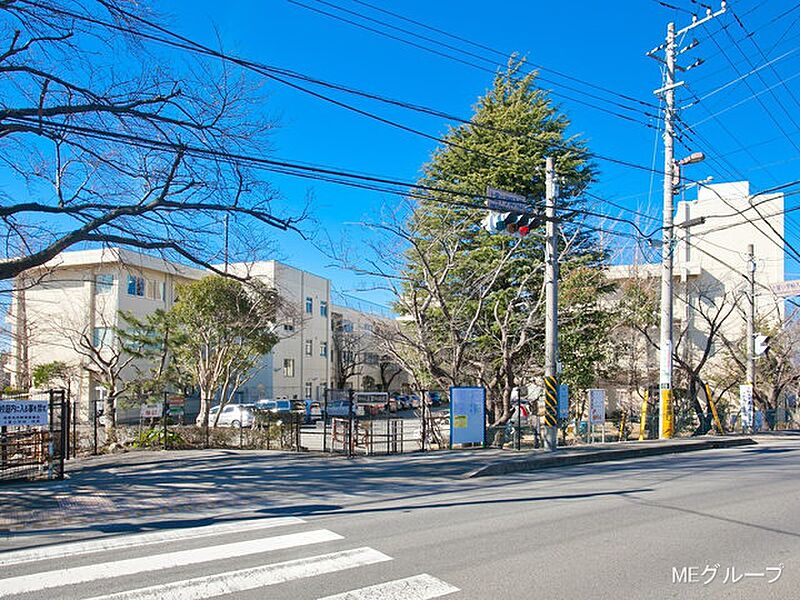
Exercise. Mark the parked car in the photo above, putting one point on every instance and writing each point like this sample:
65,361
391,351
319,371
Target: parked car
233,415
275,406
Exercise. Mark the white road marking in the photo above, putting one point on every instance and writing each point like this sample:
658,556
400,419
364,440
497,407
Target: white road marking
131,566
419,587
140,539
257,577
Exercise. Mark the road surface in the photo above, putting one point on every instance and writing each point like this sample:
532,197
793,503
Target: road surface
713,524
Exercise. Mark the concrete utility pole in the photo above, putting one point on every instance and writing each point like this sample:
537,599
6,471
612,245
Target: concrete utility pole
665,343
551,311
751,316
671,170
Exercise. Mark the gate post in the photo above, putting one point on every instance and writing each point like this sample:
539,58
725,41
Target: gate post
64,433
350,411
164,411
325,421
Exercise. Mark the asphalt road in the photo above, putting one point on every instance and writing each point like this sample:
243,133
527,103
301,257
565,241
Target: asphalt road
611,530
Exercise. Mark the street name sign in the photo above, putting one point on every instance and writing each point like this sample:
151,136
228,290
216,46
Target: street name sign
503,201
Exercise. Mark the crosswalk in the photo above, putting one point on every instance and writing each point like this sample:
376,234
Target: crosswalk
161,560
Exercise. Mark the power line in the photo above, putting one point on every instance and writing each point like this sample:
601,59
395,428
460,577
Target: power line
190,45
464,61
505,55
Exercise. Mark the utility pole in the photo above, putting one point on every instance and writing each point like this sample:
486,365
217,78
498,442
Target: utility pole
671,170
751,316
551,311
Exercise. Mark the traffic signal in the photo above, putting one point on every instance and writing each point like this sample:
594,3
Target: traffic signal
518,224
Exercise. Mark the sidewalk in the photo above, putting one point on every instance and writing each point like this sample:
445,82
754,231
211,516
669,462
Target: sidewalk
131,491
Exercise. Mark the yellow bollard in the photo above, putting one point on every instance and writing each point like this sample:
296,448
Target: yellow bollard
666,415
643,419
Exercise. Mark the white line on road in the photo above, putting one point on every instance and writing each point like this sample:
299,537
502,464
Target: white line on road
131,566
141,539
419,587
257,577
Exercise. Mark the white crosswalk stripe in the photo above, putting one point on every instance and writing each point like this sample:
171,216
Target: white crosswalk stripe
419,587
294,565
141,539
257,577
131,566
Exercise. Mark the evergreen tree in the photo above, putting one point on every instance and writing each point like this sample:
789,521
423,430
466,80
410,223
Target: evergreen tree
473,301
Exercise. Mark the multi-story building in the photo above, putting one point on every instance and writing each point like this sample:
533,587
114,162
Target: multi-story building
710,268
73,303
78,297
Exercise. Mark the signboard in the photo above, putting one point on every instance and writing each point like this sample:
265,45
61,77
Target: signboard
176,400
597,406
467,415
563,401
746,405
786,288
175,411
151,411
666,365
16,413
503,201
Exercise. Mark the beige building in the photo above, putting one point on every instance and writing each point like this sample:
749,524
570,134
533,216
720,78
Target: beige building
72,304
710,267
357,363
79,296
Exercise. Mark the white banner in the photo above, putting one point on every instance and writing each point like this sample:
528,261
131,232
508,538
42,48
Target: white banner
16,413
746,405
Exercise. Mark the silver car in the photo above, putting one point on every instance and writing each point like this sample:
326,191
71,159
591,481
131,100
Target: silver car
233,415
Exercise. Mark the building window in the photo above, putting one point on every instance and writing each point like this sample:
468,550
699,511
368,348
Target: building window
135,286
288,367
102,336
347,326
309,347
309,305
288,327
308,389
323,308
103,283
155,289
367,326
323,348
370,358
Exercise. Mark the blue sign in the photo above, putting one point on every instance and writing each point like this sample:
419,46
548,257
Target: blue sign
467,415
563,401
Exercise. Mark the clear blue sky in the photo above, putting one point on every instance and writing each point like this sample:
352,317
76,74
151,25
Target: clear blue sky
599,42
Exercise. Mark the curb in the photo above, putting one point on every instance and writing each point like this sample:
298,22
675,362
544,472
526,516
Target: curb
549,461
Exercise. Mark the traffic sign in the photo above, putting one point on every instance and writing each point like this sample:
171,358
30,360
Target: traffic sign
503,201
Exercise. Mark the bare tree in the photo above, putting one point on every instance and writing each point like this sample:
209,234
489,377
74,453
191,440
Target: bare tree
348,351
117,142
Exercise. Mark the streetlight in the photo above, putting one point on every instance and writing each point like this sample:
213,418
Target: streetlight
671,181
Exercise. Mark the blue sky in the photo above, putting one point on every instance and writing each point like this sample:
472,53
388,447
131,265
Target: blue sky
602,43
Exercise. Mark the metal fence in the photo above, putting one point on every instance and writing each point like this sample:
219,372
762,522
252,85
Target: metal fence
352,422
34,436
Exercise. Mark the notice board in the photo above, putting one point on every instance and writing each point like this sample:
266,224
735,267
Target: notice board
467,415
